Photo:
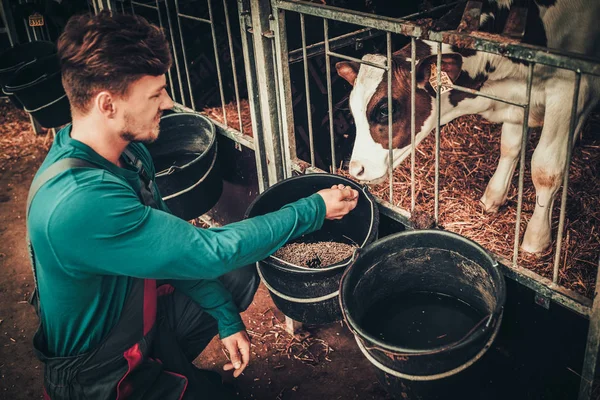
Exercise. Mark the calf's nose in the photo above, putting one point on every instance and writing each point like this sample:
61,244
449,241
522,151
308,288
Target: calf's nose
357,169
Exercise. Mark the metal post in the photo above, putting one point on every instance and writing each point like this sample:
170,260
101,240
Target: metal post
233,66
388,42
253,93
524,140
266,79
329,94
185,62
592,348
438,117
563,201
311,139
413,99
9,22
175,58
284,83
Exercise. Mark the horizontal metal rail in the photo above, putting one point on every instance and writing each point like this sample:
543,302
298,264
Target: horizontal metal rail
520,51
358,60
206,21
136,3
334,43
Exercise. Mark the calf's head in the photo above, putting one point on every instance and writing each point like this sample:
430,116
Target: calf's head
369,106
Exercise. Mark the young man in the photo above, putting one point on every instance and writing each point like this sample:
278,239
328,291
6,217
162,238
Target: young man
105,245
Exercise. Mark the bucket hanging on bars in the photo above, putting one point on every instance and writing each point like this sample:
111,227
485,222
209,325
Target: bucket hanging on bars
423,306
309,295
19,55
185,158
38,87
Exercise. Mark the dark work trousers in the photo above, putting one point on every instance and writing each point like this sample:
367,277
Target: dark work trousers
184,330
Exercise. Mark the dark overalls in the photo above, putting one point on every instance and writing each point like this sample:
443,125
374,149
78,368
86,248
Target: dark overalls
148,354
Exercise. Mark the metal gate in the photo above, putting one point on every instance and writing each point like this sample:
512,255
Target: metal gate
263,37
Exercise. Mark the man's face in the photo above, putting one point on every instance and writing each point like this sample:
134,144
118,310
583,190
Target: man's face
142,108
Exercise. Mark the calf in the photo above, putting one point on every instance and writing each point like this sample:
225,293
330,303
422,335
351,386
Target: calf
568,25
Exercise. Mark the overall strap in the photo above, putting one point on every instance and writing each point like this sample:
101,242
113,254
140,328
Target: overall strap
147,185
52,171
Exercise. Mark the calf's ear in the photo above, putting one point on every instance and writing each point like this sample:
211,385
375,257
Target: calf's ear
348,70
451,64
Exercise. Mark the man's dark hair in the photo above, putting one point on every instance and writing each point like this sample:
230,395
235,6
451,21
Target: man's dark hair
109,52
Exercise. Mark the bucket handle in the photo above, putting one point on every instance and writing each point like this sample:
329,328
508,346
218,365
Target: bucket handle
208,171
295,299
487,318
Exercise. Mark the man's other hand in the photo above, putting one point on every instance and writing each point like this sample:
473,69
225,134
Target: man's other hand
339,201
238,346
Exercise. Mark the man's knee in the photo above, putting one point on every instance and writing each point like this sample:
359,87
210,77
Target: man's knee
242,284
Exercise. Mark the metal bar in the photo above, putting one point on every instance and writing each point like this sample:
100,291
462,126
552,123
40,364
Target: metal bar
185,63
329,94
438,118
236,136
487,96
524,140
175,54
160,22
27,29
590,360
393,25
217,62
413,94
563,200
253,95
388,42
430,11
335,43
307,90
144,5
233,67
267,81
358,60
206,21
9,22
520,51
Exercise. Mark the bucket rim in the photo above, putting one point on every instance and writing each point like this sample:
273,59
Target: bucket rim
357,330
21,47
209,148
9,87
280,264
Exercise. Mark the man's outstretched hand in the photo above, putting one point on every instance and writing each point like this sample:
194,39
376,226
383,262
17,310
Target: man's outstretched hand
238,346
339,201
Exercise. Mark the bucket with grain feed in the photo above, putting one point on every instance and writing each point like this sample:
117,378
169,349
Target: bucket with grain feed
309,293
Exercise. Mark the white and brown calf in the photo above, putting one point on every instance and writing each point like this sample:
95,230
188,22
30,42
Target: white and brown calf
572,25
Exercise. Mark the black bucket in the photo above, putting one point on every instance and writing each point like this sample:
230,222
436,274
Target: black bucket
377,291
16,57
185,157
309,295
38,86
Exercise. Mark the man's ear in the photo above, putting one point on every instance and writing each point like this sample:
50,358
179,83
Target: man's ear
104,102
451,64
348,70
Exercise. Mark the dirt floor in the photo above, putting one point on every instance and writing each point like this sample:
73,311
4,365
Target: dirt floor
327,365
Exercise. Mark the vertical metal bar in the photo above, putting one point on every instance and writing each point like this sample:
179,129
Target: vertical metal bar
267,81
33,30
286,107
9,22
524,140
307,90
233,67
253,95
388,42
438,117
95,6
27,29
176,59
413,99
563,200
217,62
588,372
329,94
160,22
185,63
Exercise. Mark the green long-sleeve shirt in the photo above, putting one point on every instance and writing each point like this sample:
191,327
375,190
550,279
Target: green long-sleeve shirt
91,235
